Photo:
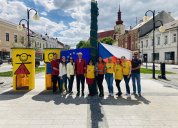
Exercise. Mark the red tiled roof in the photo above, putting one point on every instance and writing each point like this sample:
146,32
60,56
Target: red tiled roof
109,33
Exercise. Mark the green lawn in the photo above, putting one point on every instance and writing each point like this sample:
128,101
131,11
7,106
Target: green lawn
149,71
42,69
9,73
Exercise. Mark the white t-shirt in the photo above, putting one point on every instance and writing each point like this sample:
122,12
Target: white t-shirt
62,69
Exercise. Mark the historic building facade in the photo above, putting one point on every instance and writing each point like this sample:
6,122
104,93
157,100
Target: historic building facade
166,44
10,37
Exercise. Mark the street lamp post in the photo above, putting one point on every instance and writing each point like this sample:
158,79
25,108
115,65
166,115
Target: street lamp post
20,27
161,29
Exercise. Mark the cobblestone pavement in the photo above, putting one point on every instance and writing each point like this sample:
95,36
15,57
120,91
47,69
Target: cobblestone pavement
41,109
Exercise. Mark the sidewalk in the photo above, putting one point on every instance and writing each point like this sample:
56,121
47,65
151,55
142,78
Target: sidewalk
41,109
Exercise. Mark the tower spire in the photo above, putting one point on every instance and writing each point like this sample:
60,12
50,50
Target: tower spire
119,20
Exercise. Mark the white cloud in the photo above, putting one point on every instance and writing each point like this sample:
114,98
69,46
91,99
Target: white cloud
47,4
44,13
14,11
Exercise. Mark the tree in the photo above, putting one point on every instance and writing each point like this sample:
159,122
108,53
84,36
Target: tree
107,40
83,44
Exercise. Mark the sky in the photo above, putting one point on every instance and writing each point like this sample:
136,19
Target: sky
69,20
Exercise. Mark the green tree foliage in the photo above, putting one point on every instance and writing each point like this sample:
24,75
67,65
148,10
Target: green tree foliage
83,44
107,40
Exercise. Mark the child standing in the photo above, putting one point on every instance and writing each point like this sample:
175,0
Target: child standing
90,77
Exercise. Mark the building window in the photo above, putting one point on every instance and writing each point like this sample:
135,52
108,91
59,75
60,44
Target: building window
15,38
165,40
22,39
169,55
174,38
142,44
40,45
156,56
7,36
146,43
158,39
152,42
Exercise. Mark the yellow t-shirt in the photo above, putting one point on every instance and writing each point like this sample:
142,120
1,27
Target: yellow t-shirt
126,67
90,71
109,67
118,72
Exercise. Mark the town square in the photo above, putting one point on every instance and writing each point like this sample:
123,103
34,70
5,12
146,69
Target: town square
88,64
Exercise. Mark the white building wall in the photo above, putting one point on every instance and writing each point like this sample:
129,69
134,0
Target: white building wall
171,46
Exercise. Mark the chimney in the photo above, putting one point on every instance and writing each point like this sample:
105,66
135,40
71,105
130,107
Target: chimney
140,21
169,13
130,27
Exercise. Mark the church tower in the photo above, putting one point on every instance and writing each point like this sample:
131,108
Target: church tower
119,28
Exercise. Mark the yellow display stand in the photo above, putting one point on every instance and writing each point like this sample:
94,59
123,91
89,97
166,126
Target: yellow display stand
48,57
23,60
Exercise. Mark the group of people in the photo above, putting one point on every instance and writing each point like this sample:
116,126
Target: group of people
94,73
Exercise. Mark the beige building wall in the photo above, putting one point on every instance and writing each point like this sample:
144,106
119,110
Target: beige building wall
6,45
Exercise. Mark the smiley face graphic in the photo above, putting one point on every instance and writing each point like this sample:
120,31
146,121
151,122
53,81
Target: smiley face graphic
50,56
23,57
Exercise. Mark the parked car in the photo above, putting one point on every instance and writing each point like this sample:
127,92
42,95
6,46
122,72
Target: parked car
10,61
37,62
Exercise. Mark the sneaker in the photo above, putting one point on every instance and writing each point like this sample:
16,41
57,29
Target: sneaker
133,93
78,93
128,95
112,94
101,95
117,93
89,95
139,95
83,94
120,94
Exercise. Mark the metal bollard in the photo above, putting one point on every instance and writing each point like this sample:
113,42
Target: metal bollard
163,70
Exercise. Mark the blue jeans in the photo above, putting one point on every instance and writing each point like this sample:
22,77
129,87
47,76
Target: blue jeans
136,76
63,80
109,80
127,79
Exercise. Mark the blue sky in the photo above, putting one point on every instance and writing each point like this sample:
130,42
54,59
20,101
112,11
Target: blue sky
69,20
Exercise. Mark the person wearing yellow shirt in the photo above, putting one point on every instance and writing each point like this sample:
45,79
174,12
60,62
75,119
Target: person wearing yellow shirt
109,75
126,73
118,73
90,77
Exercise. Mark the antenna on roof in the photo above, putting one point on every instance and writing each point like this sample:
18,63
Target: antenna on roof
46,30
136,20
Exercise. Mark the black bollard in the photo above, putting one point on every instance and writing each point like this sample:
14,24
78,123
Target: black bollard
163,70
